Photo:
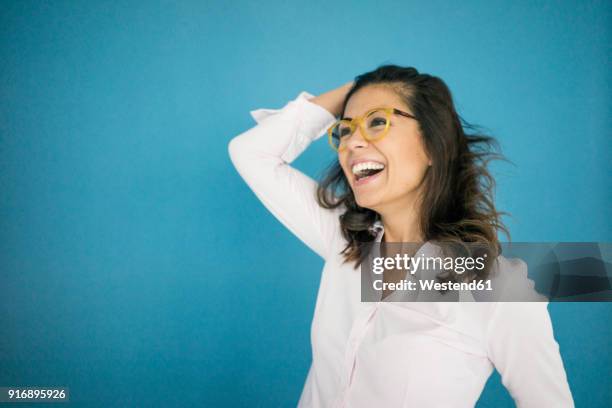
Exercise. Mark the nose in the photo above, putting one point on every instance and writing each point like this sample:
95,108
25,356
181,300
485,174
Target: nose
356,140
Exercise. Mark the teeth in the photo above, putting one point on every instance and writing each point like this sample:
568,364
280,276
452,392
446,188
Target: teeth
367,166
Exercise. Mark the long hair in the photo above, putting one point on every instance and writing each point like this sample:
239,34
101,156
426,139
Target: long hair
457,204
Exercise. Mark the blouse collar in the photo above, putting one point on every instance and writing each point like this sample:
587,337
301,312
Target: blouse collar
378,230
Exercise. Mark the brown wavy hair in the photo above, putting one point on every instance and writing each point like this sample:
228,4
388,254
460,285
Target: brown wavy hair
457,206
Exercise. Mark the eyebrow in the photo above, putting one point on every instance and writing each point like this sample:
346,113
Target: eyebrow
349,118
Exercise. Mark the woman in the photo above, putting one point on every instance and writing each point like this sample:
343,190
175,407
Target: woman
406,172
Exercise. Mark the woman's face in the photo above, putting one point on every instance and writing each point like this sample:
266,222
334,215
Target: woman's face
401,152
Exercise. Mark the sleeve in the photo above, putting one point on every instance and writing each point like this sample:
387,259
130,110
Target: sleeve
262,155
522,347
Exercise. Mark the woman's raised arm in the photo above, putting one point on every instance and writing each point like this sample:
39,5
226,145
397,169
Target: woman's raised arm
262,156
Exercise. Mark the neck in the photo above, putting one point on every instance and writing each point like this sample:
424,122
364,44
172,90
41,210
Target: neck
402,223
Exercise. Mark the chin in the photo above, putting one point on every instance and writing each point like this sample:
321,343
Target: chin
366,202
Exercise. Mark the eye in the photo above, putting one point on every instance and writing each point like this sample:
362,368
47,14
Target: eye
342,131
377,121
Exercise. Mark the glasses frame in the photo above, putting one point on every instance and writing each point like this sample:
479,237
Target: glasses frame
358,121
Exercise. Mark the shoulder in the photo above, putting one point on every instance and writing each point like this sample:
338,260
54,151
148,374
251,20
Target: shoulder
510,281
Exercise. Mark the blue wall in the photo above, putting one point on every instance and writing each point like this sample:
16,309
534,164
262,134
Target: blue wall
137,268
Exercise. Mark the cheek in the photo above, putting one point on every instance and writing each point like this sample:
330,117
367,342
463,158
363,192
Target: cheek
342,161
409,164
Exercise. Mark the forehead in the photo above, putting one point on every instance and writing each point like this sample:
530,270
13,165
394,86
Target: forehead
372,96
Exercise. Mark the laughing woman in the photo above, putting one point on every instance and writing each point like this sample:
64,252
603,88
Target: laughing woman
406,171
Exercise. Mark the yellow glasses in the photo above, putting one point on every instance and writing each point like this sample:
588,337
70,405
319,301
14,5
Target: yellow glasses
374,125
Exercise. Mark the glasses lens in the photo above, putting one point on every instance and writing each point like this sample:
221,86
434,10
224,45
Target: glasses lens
339,133
377,123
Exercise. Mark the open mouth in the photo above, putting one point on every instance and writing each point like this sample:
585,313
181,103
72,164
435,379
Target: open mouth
366,171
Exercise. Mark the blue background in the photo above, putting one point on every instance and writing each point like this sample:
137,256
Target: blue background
136,266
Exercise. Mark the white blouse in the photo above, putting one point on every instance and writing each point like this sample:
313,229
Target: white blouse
391,354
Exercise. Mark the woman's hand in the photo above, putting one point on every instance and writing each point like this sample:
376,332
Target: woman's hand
332,100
